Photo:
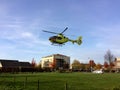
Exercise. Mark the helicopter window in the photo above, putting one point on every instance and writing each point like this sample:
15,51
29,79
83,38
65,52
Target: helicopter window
59,38
53,37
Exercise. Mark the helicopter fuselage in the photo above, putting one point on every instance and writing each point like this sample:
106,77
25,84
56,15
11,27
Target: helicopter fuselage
59,39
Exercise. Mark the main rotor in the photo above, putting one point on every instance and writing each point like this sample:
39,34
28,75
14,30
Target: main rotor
55,32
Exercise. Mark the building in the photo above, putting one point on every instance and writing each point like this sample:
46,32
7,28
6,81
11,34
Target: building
9,65
55,61
117,64
25,67
14,66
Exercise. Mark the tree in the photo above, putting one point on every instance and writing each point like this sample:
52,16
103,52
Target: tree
112,64
82,66
98,66
91,64
87,67
76,65
109,57
106,65
33,63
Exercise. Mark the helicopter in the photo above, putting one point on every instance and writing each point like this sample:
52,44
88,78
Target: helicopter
60,39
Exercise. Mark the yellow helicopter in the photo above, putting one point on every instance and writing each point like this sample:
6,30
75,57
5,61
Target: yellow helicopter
60,39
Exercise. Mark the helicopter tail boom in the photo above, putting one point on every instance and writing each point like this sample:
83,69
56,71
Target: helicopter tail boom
78,41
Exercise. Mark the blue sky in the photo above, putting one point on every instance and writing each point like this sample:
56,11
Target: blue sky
22,22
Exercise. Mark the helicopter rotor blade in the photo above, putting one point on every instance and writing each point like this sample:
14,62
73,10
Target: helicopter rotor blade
64,30
50,32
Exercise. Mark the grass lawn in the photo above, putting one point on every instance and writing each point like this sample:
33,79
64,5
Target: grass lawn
57,81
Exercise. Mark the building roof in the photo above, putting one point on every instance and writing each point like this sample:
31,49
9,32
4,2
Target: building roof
14,64
55,55
9,63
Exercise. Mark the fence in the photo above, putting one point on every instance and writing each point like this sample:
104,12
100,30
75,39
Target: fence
14,84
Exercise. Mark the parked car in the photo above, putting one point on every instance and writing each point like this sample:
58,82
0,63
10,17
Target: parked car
98,71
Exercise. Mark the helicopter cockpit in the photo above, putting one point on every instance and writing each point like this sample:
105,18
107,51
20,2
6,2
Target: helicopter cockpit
53,38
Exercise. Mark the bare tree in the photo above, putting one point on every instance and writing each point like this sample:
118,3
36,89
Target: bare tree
109,57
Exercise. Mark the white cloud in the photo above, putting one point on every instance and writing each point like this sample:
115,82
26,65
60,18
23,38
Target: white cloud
27,35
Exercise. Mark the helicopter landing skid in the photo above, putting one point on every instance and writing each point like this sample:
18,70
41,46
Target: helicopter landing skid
55,44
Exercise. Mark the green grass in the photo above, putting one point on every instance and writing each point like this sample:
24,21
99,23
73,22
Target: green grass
57,81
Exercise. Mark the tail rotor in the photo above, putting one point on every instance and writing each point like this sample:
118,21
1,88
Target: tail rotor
78,41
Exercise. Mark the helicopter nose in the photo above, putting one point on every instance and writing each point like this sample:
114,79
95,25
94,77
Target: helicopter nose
51,39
